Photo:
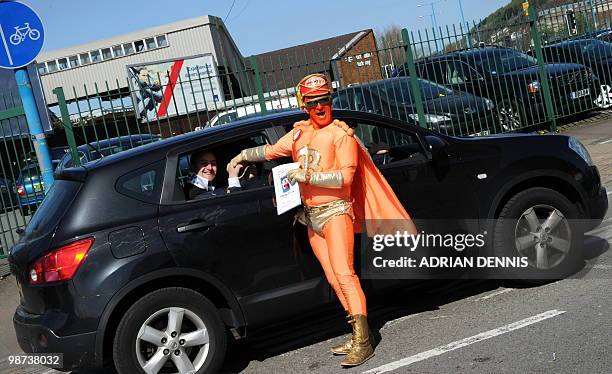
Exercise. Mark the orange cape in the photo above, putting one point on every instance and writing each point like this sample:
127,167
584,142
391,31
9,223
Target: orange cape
375,204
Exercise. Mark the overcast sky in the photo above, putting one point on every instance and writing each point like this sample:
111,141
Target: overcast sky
256,25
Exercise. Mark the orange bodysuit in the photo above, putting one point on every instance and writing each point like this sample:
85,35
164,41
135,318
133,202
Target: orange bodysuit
325,149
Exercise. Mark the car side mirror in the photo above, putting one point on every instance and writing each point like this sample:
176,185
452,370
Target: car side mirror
437,148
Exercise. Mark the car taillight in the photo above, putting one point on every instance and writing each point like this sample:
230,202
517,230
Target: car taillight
20,190
60,264
533,87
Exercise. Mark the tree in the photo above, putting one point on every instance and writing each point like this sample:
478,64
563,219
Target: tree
390,45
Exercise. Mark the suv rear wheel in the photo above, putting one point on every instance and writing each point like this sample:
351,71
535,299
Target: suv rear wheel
168,331
541,225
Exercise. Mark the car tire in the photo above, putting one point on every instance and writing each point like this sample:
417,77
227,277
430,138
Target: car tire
511,116
148,320
551,255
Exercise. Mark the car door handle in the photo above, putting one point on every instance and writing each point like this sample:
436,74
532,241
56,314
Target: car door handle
195,226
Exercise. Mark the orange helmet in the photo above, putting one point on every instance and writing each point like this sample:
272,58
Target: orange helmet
313,85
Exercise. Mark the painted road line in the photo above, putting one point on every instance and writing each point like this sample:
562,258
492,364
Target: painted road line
465,342
502,291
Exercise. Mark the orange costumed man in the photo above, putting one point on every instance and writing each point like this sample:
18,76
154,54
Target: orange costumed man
342,191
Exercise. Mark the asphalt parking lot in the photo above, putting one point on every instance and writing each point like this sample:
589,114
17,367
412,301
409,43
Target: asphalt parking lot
450,327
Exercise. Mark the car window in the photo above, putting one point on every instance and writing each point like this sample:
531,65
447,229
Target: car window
227,118
54,205
503,61
143,184
212,162
67,161
340,100
434,71
387,145
592,49
457,73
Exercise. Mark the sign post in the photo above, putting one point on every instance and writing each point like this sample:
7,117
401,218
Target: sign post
21,39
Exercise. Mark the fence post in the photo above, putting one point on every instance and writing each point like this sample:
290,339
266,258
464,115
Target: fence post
537,46
61,101
258,86
414,82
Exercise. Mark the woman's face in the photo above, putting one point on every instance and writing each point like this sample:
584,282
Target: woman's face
206,165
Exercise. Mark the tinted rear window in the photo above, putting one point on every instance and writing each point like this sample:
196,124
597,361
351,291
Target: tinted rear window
56,203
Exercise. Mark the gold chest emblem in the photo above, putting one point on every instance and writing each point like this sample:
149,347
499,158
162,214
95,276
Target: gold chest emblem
309,158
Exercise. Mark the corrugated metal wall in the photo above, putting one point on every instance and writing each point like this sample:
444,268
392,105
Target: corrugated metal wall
181,43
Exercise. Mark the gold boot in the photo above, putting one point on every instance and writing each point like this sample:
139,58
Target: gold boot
361,349
345,347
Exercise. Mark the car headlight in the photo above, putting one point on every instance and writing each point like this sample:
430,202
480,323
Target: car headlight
431,118
490,105
577,147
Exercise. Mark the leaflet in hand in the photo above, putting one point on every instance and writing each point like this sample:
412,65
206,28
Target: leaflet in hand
287,194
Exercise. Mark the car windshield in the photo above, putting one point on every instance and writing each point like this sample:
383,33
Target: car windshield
399,90
592,49
503,61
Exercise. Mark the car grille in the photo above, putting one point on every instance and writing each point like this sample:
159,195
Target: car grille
572,79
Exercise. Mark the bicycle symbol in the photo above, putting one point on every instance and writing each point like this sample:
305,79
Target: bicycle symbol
22,32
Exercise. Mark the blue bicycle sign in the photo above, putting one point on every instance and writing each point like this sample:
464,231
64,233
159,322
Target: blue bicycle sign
21,35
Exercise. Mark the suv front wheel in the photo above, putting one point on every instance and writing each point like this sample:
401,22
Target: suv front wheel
542,226
170,330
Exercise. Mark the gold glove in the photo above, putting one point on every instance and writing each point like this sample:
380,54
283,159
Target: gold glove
255,154
329,179
296,175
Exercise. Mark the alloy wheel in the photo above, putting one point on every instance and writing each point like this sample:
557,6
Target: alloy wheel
543,235
604,99
172,340
509,118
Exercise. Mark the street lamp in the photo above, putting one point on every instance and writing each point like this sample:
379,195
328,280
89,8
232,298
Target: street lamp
434,21
467,29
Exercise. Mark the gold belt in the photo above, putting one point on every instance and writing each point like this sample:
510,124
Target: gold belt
318,216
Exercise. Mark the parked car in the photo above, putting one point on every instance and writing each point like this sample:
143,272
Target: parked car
446,111
511,79
30,187
604,35
593,53
118,266
8,198
242,113
106,147
273,104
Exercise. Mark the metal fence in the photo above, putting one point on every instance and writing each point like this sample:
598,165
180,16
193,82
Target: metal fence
17,165
486,77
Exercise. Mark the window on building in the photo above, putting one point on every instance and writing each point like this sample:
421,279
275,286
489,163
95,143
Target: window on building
129,49
74,61
42,68
106,54
139,44
118,51
151,43
85,58
161,41
52,66
95,56
62,63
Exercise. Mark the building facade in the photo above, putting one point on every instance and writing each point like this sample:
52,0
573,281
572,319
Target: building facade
102,65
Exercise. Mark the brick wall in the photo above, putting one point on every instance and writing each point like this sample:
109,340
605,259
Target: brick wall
360,64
